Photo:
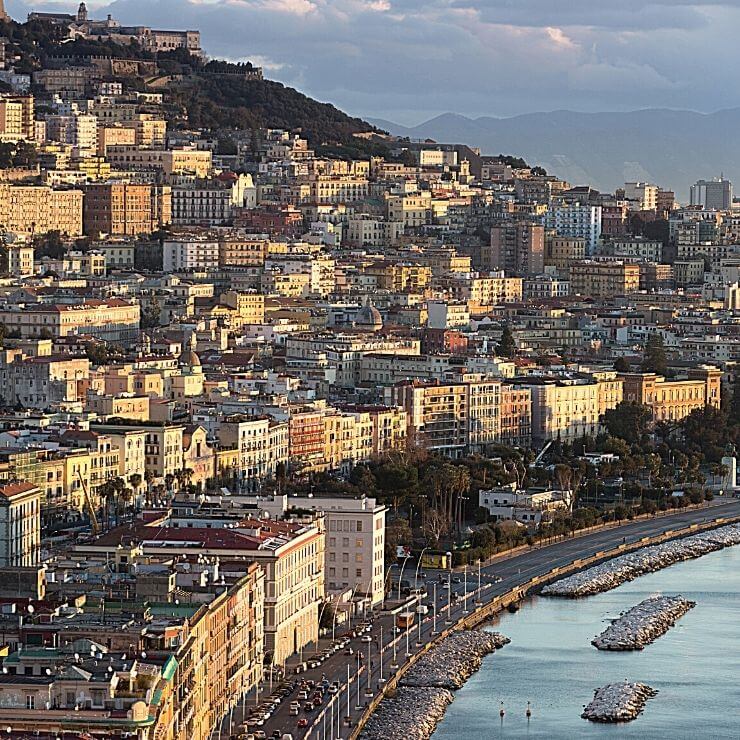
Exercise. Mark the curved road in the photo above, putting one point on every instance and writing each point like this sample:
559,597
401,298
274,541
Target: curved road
497,578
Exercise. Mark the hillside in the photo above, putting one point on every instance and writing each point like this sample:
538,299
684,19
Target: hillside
672,148
199,97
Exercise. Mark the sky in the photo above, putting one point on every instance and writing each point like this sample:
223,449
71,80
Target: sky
409,60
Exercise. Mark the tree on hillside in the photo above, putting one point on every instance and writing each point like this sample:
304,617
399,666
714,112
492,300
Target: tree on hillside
628,421
706,432
506,346
654,358
622,365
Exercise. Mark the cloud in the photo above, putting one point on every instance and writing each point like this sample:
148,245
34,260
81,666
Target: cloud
409,59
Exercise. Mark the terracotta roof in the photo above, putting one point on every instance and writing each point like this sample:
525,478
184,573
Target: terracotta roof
15,489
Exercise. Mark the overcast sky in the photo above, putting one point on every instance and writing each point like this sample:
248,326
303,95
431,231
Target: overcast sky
408,60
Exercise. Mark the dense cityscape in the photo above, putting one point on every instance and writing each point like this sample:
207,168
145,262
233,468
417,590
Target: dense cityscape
271,378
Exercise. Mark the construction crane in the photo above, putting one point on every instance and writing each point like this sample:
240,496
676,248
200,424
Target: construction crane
89,506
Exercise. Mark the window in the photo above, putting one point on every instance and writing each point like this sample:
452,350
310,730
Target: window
30,701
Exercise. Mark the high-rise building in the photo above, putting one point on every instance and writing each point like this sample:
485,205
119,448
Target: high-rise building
576,219
516,246
712,195
641,195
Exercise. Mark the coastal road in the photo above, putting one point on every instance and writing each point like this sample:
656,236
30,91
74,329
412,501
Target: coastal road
327,722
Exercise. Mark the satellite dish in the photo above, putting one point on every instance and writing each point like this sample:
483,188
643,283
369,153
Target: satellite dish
143,654
48,671
30,609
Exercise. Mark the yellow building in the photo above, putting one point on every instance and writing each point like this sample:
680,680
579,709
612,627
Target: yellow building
112,320
563,409
673,400
37,209
399,277
604,279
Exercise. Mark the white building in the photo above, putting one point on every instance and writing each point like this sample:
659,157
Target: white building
355,544
189,253
262,444
20,525
576,220
509,504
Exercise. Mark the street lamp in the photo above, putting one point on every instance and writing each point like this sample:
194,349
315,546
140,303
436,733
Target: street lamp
479,600
434,610
465,589
416,575
449,590
400,575
368,688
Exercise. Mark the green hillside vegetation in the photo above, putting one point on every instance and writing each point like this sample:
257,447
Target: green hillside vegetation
210,95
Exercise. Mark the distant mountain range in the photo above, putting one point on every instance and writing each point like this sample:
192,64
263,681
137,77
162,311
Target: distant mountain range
671,148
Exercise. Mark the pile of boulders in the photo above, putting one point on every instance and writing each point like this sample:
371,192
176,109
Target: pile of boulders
452,662
643,623
618,702
619,570
412,713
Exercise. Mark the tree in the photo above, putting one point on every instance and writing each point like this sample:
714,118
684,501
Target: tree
654,358
706,432
622,365
506,346
628,421
397,532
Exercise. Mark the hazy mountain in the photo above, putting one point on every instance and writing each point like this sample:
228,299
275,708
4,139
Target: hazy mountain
671,148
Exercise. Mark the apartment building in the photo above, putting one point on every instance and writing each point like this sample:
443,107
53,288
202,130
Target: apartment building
163,456
576,220
126,209
42,381
437,415
604,279
20,525
562,409
363,230
516,416
562,251
355,544
189,254
37,209
262,444
112,320
517,247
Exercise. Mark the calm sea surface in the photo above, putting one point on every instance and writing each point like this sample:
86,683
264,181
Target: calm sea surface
551,663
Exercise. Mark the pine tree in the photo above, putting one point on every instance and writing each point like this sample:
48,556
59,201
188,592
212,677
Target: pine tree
654,359
506,346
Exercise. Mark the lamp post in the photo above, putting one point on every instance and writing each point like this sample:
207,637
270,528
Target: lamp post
418,565
348,718
368,668
408,652
358,706
394,662
479,600
449,590
434,610
381,680
400,575
465,589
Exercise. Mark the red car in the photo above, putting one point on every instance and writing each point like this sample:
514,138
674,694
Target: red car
302,722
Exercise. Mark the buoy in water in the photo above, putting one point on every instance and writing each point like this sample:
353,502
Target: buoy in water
501,711
529,710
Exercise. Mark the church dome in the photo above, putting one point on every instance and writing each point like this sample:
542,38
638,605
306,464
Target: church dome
368,317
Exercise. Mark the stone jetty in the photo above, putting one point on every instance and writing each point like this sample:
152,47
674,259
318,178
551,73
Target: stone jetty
412,713
450,664
419,703
618,702
643,623
619,570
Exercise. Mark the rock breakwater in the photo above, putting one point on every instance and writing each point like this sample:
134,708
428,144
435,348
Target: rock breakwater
643,623
412,713
451,663
618,702
619,570
414,709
